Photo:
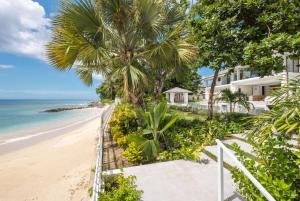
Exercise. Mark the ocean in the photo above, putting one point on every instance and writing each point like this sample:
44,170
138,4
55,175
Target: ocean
21,116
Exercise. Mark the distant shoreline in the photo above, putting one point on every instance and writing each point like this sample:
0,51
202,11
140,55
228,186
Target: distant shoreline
61,109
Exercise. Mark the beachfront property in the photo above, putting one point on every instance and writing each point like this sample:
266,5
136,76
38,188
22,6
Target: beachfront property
178,96
257,89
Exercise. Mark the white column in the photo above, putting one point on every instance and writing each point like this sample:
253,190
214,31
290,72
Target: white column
186,98
232,76
172,96
238,74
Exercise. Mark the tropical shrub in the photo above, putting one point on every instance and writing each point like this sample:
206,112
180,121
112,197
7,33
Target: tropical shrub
120,188
233,127
156,123
123,121
183,141
133,154
236,122
213,130
190,152
276,169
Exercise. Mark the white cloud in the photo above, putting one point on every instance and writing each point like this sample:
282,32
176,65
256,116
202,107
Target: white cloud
24,28
6,66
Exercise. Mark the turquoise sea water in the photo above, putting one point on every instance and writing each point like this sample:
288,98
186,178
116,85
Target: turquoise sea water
16,115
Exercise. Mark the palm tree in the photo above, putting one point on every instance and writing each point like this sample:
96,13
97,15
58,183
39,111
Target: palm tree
156,125
284,117
242,99
234,98
228,97
119,38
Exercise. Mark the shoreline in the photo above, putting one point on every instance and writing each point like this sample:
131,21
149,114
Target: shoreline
50,166
53,125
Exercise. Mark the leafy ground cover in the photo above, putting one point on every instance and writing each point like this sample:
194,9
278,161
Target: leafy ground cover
119,187
160,133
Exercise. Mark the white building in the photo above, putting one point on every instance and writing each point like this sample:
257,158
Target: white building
258,89
178,96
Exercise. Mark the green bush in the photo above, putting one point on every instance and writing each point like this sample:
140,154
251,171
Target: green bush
184,152
133,154
123,121
120,188
183,141
233,128
238,122
276,169
107,101
214,130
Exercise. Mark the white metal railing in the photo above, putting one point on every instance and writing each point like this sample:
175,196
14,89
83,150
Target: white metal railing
221,148
98,170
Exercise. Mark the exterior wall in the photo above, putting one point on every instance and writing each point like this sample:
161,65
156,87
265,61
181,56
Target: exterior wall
256,90
246,90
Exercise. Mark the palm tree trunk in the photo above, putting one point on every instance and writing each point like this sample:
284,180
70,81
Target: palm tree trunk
211,95
230,107
159,84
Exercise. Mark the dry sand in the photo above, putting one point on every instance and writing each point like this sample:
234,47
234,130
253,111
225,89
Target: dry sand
54,169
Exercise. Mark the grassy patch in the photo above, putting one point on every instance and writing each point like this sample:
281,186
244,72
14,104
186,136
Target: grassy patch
188,115
107,101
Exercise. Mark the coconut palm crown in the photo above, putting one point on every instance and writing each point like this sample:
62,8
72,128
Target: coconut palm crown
119,38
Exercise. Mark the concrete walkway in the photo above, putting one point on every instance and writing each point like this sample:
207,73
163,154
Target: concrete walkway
186,180
181,181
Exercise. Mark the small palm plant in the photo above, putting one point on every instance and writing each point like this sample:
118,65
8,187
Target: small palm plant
156,124
228,97
234,98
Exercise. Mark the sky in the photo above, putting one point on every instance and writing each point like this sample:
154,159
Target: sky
24,70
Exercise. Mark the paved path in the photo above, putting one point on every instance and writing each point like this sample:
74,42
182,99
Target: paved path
181,181
185,180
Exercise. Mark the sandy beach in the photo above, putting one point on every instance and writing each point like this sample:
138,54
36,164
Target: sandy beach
56,167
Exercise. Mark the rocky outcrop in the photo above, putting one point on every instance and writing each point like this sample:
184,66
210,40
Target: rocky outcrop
90,105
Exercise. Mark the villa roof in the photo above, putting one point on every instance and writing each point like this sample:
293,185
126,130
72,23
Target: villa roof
178,90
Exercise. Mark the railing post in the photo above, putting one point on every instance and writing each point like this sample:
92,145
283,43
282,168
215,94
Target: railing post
220,174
